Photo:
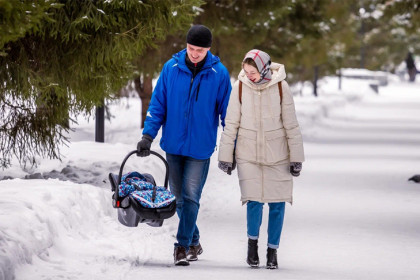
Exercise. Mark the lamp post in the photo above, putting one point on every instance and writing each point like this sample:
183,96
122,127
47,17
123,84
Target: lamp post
100,124
362,13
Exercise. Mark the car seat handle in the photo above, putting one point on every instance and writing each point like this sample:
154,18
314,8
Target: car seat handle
122,168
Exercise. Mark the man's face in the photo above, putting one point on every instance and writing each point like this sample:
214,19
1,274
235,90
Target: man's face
196,54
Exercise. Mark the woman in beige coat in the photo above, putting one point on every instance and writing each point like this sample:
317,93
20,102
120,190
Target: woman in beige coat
262,134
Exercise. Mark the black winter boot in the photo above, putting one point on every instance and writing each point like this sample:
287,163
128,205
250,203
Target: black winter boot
252,258
272,259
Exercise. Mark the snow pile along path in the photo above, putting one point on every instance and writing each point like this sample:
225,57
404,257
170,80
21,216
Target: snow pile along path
66,230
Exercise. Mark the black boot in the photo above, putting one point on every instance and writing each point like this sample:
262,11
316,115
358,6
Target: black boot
272,259
252,258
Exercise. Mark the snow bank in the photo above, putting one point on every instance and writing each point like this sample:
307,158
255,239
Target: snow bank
38,214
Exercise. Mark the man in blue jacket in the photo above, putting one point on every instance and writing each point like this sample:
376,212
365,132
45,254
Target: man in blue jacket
192,92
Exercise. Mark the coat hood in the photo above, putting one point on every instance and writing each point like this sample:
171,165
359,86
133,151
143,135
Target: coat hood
278,75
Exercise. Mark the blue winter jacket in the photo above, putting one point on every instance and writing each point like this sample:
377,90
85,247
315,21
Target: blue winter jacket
188,108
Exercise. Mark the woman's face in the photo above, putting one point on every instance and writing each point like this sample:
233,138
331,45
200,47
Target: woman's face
252,73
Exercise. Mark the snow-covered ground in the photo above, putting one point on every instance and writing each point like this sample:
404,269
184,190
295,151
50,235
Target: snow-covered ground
355,215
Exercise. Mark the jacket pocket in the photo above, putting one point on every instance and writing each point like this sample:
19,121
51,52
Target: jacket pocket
246,145
276,148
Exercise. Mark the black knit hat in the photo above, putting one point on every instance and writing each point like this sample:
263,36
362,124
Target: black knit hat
199,36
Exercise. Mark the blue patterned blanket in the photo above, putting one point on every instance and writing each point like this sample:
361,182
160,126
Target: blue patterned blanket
136,185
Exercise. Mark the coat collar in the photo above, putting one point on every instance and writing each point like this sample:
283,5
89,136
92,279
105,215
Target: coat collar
180,59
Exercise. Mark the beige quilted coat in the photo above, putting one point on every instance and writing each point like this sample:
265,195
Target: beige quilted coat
269,138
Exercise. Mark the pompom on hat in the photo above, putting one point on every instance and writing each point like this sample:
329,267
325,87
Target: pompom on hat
200,36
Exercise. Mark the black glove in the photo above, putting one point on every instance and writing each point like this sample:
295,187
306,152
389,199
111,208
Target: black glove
143,147
225,166
295,168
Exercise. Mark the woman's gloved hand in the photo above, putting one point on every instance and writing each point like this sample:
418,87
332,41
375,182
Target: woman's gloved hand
295,168
225,167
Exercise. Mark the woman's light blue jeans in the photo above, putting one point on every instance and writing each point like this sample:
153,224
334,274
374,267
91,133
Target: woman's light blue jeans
275,221
186,180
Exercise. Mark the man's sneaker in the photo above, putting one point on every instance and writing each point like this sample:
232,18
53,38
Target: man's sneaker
272,259
180,256
194,252
252,258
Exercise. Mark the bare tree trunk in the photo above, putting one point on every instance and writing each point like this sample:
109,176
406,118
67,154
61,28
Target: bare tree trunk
144,91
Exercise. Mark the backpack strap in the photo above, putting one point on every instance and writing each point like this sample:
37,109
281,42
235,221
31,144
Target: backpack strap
280,91
240,92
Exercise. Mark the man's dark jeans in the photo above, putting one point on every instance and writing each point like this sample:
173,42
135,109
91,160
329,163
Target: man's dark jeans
186,180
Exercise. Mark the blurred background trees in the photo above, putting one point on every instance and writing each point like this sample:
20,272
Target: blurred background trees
60,58
309,37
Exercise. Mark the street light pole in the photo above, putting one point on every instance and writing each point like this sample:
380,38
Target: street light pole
100,124
362,12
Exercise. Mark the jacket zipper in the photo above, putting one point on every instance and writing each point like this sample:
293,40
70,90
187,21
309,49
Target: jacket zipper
190,104
198,90
260,145
191,83
187,115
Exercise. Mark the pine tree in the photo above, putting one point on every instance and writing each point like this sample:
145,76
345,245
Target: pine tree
288,30
303,35
61,58
323,46
385,31
399,33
